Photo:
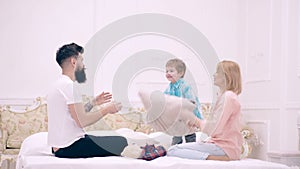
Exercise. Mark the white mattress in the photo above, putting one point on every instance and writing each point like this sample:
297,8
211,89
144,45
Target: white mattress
36,154
51,162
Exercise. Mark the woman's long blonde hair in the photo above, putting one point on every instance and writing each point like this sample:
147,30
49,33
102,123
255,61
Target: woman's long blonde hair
233,79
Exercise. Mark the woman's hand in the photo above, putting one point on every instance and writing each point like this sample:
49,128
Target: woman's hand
195,124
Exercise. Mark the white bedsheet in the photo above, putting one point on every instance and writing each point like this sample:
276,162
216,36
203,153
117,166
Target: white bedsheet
51,162
36,154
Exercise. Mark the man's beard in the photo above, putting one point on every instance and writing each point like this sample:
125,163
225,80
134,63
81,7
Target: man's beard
80,75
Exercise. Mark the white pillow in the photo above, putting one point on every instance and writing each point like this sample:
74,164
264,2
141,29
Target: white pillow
133,137
136,138
36,144
169,114
163,138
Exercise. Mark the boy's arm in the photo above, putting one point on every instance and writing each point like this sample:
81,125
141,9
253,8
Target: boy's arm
167,90
189,94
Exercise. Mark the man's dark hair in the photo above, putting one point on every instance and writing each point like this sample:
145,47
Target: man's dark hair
66,51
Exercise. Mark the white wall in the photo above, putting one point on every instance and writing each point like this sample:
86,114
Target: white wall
261,35
31,32
270,46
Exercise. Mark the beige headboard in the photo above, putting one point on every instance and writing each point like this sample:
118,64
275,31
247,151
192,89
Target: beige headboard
16,125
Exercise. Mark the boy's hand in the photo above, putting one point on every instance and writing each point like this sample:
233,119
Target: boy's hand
193,101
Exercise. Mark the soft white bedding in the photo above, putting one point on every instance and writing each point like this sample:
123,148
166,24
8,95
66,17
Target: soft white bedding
36,154
50,162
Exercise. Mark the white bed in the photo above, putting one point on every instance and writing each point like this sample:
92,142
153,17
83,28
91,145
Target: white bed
50,162
36,154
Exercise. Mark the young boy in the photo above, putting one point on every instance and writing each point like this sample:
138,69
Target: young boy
175,70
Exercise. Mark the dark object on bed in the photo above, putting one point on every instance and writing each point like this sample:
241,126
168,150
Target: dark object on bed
151,152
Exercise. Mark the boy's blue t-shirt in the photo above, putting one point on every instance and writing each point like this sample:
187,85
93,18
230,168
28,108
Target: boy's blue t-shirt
184,90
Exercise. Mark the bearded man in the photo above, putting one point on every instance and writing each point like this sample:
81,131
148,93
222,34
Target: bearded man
67,115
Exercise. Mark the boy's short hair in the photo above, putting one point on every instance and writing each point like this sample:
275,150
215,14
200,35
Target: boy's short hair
178,64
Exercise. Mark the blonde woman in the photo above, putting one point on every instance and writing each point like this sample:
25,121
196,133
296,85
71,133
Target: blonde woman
223,126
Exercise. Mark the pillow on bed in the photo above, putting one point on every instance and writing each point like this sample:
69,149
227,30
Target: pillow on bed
136,138
169,114
133,137
163,138
36,144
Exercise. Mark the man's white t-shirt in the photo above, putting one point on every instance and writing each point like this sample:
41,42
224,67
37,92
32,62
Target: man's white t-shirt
62,128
